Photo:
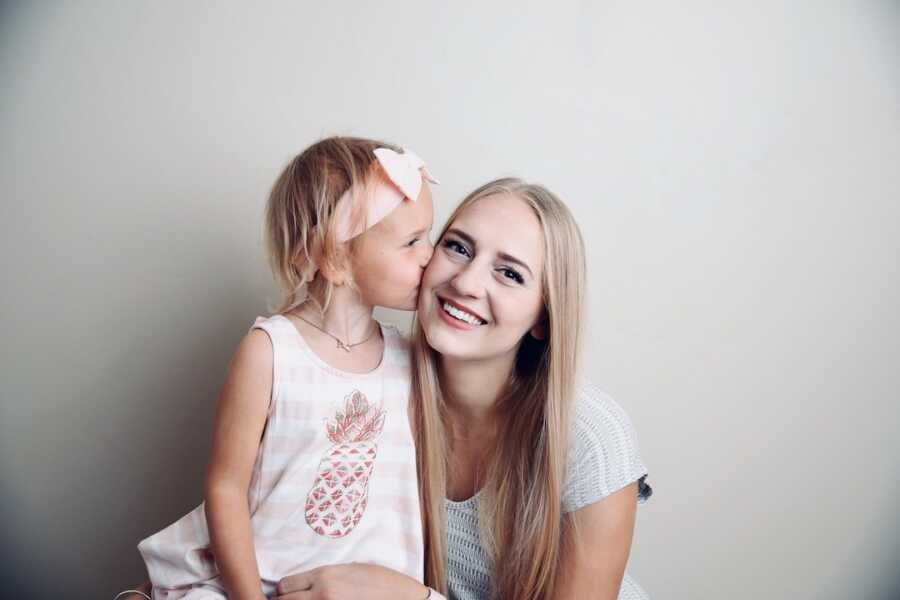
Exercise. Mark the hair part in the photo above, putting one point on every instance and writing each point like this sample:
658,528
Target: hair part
301,225
520,506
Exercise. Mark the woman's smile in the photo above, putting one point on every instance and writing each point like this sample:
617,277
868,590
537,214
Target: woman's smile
481,292
458,315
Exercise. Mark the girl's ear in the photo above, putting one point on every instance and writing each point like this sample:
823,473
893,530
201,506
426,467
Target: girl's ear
337,270
332,271
335,275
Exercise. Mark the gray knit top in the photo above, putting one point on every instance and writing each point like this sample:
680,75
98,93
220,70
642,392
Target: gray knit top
603,458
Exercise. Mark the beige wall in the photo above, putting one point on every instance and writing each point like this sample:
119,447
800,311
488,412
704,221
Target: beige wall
734,166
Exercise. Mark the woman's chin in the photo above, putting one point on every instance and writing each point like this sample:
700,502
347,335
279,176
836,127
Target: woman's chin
438,339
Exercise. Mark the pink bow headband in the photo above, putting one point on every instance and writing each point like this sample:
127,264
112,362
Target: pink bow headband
405,173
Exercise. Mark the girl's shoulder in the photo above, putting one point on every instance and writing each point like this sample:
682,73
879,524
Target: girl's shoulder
276,325
393,332
255,351
394,336
289,348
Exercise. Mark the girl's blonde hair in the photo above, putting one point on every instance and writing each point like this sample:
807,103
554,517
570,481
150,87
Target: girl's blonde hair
520,509
301,223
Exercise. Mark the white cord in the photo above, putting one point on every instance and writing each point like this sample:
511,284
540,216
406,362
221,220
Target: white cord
119,595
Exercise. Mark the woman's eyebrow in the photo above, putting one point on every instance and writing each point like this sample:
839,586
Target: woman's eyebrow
503,255
462,234
513,259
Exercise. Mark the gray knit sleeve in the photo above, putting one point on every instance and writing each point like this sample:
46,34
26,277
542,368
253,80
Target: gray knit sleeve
603,452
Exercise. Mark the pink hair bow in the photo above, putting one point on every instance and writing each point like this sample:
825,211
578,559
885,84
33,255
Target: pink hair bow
405,173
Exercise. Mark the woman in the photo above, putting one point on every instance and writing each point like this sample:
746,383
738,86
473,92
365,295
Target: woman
528,480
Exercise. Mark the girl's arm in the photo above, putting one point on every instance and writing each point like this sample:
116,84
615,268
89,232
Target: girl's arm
596,548
240,419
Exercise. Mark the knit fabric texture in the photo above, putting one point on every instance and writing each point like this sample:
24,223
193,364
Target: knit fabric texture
603,458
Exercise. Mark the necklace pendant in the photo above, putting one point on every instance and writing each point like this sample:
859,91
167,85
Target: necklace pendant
343,346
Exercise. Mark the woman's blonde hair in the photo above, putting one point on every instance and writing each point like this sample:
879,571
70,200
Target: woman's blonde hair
301,224
520,508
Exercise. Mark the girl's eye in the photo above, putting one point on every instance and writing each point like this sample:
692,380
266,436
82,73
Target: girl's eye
412,242
512,274
455,246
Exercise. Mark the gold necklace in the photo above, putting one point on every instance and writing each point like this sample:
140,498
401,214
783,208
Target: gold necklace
345,346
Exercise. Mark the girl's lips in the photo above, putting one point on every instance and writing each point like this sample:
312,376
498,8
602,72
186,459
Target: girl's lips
452,321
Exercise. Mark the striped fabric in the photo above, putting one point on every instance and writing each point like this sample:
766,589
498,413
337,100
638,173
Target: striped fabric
334,481
603,458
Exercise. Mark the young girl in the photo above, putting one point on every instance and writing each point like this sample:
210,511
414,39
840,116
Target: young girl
312,459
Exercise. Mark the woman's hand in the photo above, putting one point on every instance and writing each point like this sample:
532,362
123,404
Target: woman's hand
350,581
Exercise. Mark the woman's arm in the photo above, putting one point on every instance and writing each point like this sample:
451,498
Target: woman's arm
353,581
240,419
596,547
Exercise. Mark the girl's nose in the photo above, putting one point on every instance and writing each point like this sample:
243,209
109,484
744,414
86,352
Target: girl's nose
427,252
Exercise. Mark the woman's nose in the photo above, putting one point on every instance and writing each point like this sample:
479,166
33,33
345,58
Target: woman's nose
467,281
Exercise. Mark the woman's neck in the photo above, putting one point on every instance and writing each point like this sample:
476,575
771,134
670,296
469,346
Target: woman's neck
472,390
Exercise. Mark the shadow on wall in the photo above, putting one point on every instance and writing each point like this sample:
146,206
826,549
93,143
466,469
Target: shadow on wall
114,440
887,587
164,436
169,426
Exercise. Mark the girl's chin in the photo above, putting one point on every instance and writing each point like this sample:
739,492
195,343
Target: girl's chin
409,303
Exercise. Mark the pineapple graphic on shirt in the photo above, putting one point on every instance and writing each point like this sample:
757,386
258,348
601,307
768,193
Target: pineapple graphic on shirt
340,493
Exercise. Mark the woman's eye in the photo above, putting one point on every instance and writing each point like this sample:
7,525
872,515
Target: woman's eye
513,275
455,246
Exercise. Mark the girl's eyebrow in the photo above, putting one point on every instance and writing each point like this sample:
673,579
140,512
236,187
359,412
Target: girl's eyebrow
503,255
418,232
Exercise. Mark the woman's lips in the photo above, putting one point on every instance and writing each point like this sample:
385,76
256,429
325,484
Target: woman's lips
450,319
453,321
461,307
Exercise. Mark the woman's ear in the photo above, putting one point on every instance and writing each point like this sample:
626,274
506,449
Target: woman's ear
539,331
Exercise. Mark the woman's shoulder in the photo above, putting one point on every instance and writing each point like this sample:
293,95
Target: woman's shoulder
604,453
597,411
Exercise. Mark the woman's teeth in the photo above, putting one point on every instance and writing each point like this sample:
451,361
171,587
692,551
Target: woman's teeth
462,315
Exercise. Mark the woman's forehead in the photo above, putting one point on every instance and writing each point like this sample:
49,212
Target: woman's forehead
504,223
500,209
